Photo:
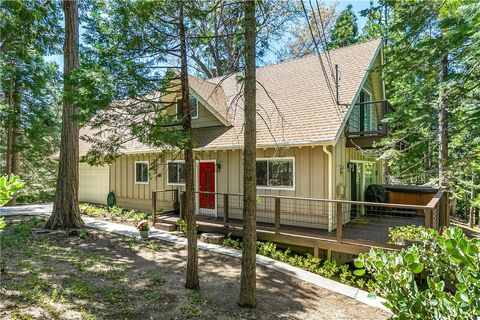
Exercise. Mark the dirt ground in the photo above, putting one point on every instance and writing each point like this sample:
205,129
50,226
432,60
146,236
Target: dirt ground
96,275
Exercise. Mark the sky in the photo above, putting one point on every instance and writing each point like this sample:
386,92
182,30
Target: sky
357,5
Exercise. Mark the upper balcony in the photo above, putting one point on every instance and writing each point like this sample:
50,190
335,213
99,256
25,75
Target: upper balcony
365,126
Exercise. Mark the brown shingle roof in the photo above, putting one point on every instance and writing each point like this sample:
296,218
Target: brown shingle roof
294,106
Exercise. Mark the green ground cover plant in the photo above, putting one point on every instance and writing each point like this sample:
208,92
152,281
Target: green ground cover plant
326,268
114,213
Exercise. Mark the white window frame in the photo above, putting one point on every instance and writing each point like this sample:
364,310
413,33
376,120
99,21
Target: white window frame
168,178
287,188
180,98
135,172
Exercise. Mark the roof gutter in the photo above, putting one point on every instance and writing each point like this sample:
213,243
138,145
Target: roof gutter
330,186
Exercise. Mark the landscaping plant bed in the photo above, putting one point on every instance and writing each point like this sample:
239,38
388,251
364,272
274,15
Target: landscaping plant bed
98,275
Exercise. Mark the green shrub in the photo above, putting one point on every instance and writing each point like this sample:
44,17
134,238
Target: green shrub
111,199
182,225
401,235
114,213
9,186
450,263
307,261
233,243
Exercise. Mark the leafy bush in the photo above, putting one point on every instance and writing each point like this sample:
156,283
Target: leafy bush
307,261
450,263
182,225
233,243
114,213
9,185
111,199
401,235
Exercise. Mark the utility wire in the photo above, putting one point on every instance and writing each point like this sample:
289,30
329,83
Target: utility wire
324,36
324,71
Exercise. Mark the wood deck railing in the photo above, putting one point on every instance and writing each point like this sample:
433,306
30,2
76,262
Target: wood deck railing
173,198
342,225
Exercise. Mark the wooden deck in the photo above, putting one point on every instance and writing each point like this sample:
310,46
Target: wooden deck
294,221
358,236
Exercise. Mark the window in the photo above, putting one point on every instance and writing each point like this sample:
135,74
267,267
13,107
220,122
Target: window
362,117
276,173
193,107
367,116
141,172
176,173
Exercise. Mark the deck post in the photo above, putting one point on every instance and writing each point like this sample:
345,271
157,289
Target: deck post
339,221
329,254
154,207
428,217
225,210
316,249
277,215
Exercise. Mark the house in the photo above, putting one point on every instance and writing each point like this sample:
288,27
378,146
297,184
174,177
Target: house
309,140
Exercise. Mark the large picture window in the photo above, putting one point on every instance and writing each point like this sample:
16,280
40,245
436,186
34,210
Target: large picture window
193,107
141,172
276,173
176,173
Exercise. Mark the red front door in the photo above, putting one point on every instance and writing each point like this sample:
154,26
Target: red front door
207,184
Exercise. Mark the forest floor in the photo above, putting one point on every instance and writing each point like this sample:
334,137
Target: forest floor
98,275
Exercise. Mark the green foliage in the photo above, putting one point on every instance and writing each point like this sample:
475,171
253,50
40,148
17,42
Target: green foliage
398,235
111,200
449,262
326,268
345,30
114,213
417,34
9,186
182,224
34,86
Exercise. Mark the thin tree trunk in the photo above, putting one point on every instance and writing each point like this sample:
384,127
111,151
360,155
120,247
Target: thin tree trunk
442,124
15,137
248,275
9,151
65,208
192,281
471,220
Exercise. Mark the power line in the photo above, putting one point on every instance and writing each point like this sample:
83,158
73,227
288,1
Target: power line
324,36
324,71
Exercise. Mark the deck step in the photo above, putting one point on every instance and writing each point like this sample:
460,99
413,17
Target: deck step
165,226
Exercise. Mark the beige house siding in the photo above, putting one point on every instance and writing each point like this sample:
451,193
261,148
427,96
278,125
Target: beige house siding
311,181
205,117
342,180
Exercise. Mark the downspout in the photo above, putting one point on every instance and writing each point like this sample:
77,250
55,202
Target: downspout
330,187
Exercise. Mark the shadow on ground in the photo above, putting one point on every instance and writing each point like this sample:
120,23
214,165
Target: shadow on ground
98,275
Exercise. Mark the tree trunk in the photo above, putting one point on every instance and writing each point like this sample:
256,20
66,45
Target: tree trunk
192,281
471,218
248,275
442,124
13,133
9,151
65,208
